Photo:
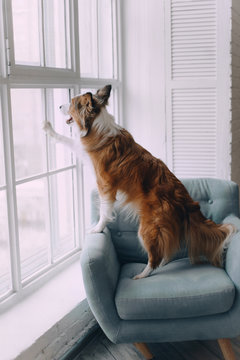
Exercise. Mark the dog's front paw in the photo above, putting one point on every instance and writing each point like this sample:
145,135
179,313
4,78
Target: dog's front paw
47,126
139,276
96,229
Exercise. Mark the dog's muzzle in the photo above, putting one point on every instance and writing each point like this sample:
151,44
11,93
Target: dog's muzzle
65,111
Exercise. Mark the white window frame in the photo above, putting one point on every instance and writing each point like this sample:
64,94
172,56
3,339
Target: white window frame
23,76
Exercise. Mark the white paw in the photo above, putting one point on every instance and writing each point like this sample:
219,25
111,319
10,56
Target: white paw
97,229
47,126
145,273
139,276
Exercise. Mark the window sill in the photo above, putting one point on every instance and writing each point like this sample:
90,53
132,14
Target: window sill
22,325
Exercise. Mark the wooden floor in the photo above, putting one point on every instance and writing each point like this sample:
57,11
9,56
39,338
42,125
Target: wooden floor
100,348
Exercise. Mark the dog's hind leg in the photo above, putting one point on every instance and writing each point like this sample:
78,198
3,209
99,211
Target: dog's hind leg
159,242
151,239
148,270
145,273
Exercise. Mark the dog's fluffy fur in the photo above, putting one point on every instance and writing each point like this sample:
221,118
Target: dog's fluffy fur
168,215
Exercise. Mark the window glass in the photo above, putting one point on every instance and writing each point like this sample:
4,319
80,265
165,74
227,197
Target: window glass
63,207
33,221
87,12
47,181
105,38
57,38
5,270
26,31
31,26
96,38
29,138
60,155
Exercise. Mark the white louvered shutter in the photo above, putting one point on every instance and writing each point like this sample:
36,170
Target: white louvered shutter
192,87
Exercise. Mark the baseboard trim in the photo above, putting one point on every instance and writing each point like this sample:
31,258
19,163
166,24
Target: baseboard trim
72,353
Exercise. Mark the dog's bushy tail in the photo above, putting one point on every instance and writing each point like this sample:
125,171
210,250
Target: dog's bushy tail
206,239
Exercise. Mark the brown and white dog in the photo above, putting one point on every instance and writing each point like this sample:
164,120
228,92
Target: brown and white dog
167,213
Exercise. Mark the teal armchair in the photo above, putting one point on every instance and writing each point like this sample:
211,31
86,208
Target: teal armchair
178,302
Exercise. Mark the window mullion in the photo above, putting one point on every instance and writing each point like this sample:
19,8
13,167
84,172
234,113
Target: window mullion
42,34
11,190
78,193
115,40
9,33
80,202
113,32
52,186
48,201
66,33
48,205
42,175
97,30
74,41
4,41
53,217
76,232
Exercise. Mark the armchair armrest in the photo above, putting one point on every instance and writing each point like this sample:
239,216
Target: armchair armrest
100,268
232,266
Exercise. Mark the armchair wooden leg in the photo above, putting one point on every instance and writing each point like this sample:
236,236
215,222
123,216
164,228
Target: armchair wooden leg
227,349
144,350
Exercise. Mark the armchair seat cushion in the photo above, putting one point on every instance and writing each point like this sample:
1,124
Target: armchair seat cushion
178,290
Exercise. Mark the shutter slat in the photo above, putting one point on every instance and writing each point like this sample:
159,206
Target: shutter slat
193,137
193,110
188,44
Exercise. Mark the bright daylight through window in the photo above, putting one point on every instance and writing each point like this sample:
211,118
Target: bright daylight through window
53,50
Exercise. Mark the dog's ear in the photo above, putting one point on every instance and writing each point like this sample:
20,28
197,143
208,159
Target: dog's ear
87,101
103,94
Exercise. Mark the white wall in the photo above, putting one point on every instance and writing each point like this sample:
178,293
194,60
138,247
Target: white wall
149,36
143,73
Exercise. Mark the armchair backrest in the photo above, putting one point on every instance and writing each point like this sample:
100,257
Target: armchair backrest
217,199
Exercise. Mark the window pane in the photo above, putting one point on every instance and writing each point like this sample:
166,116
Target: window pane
60,155
26,31
57,40
5,270
2,169
33,226
89,183
29,138
63,208
105,45
96,36
87,11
